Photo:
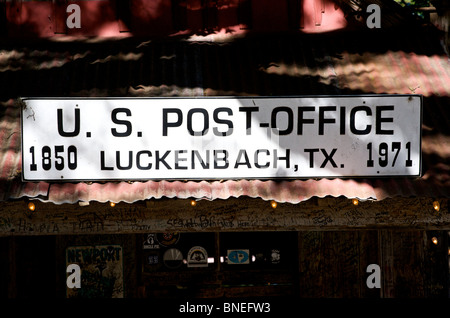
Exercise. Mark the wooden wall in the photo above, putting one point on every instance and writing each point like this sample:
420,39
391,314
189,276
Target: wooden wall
334,264
329,264
327,245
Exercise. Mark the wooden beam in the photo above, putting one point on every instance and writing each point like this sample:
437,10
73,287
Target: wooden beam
234,214
12,285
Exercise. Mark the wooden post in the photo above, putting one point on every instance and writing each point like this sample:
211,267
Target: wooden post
386,256
12,287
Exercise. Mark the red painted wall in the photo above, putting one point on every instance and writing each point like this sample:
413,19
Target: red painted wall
103,18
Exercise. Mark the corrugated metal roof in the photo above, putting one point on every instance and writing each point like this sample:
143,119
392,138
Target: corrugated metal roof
288,64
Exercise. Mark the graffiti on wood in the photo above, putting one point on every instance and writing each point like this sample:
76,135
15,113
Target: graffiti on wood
241,214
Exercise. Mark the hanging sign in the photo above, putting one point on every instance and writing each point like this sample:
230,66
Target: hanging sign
197,257
238,256
151,242
168,239
173,258
101,271
93,139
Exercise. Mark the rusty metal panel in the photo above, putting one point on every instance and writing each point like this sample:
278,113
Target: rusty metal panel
254,66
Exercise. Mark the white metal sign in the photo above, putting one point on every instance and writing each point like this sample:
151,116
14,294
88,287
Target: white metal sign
220,138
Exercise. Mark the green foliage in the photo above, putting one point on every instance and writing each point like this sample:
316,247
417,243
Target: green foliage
412,4
415,3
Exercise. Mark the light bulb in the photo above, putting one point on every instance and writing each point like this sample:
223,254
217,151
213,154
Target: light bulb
193,202
31,206
355,201
274,204
434,240
112,204
436,206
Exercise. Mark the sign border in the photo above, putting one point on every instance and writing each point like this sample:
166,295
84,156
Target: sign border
21,101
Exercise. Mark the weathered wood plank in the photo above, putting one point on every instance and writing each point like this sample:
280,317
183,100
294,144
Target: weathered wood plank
408,263
311,264
386,250
237,214
411,265
368,254
436,264
332,264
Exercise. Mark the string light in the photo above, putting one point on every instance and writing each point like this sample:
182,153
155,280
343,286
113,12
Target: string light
112,204
274,204
193,202
436,206
31,206
434,240
355,201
